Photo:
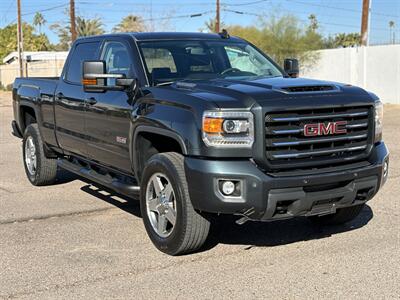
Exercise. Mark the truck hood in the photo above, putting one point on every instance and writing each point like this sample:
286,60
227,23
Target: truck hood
226,93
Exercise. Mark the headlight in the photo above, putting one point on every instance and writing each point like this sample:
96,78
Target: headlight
228,129
378,121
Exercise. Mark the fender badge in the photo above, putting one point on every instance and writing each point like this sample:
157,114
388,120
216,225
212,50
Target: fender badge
120,139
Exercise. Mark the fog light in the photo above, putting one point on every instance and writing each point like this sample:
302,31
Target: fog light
385,169
228,187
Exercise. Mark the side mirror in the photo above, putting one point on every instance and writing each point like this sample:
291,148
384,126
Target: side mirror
291,67
95,78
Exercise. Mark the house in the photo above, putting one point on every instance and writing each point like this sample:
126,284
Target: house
36,63
12,58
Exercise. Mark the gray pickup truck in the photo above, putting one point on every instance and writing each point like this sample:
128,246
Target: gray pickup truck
199,125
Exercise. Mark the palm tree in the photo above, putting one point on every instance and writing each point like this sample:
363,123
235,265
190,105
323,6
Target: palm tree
130,23
87,27
313,22
84,27
347,40
39,21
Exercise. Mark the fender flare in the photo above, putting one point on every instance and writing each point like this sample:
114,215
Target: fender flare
155,130
25,103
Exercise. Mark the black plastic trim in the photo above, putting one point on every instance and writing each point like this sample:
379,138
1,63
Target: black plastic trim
155,130
15,130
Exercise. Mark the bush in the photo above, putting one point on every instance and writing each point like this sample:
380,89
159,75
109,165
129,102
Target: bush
283,37
7,88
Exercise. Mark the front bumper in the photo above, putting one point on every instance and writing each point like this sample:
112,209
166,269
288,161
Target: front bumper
264,197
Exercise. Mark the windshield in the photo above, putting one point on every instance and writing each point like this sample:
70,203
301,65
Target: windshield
168,61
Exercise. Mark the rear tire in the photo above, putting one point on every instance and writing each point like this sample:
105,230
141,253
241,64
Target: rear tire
343,215
165,199
39,169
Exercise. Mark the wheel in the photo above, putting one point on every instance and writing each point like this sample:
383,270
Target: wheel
39,169
170,220
343,215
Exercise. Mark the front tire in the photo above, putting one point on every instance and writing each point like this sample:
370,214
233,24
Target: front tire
343,215
170,220
39,169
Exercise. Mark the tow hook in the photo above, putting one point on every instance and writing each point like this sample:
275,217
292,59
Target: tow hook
245,216
242,220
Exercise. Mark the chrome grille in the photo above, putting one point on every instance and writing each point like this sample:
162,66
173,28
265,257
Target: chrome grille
287,146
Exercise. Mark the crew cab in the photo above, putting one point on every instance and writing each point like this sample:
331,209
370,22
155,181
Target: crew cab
198,125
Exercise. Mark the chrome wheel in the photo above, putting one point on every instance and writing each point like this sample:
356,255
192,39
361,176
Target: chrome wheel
161,204
30,155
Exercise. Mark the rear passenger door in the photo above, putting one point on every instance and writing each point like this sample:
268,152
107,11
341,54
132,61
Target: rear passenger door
70,100
108,116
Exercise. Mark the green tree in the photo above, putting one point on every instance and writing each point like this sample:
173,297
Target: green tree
32,41
313,22
130,23
210,25
84,27
88,27
39,21
283,37
344,40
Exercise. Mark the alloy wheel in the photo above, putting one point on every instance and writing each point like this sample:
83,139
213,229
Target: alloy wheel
30,155
161,204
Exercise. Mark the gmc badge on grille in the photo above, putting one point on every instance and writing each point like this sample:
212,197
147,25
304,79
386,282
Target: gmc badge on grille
325,129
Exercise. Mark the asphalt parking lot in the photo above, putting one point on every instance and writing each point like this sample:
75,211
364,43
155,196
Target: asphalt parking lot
73,240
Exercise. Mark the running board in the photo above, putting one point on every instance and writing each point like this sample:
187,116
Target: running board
121,186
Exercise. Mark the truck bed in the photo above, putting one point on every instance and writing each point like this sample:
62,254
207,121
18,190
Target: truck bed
34,86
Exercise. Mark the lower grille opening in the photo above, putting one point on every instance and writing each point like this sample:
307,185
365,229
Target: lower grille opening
325,187
327,201
282,207
364,194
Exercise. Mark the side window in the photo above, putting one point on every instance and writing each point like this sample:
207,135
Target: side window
117,59
82,52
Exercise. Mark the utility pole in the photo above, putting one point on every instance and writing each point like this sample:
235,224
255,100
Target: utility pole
20,40
364,22
72,19
392,32
217,18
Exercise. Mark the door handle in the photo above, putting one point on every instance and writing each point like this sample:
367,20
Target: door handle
91,101
59,95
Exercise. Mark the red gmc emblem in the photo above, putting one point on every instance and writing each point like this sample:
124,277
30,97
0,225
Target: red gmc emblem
325,128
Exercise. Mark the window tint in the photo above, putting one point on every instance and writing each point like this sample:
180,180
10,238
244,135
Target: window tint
82,52
117,59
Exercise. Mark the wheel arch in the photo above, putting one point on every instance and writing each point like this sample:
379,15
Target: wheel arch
148,140
27,110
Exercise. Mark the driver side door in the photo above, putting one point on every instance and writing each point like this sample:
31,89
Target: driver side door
109,112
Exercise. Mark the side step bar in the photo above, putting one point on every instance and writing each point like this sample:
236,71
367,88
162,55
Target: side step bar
124,187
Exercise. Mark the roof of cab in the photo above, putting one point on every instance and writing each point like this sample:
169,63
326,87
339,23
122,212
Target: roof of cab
143,36
151,36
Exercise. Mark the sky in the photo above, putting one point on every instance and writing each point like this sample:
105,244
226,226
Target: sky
334,16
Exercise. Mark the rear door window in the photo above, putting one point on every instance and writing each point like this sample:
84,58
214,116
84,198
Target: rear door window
82,52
